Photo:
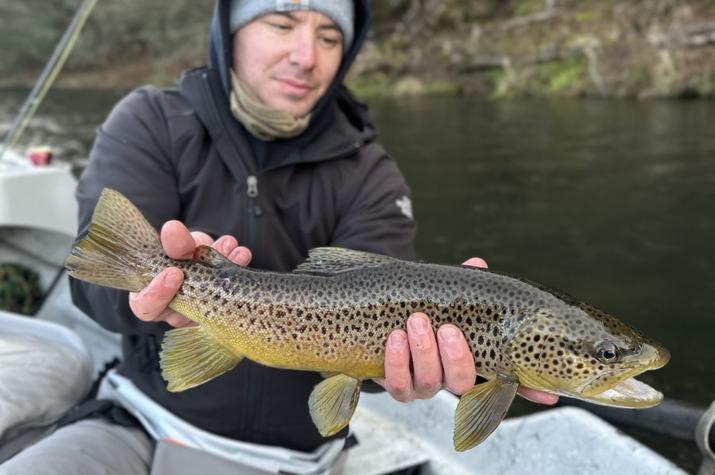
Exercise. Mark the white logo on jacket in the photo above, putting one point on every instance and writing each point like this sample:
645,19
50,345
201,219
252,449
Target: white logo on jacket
405,205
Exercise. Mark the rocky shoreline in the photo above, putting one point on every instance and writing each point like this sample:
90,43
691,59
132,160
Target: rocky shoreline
594,48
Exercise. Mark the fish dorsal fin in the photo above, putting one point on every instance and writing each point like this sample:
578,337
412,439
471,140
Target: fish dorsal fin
210,256
333,260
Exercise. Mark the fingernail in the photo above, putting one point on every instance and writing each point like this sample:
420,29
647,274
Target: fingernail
449,339
419,325
449,334
172,278
398,340
237,255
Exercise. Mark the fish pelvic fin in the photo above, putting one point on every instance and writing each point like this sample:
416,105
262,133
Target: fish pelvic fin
481,410
192,356
332,403
119,243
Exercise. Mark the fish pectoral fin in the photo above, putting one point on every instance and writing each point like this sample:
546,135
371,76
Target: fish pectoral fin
191,356
333,402
481,410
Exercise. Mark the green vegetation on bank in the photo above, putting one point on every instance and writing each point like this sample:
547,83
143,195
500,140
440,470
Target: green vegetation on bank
20,290
496,48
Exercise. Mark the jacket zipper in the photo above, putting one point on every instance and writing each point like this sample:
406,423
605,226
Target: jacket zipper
254,212
252,387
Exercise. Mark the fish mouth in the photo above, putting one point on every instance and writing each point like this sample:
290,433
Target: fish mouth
630,392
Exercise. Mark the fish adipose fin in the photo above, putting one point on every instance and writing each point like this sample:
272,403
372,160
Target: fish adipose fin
481,410
211,257
191,356
333,260
120,239
333,402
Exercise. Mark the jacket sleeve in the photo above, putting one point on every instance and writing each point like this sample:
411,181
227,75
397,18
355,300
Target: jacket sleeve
376,208
130,154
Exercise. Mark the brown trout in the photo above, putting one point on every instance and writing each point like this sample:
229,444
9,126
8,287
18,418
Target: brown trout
333,314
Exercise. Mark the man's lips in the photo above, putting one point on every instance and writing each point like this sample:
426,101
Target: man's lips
295,85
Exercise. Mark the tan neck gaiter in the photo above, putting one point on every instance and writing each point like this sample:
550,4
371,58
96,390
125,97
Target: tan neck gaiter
262,121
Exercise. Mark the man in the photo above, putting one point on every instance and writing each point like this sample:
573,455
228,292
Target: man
264,146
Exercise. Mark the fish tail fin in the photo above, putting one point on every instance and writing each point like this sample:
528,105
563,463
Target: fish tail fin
118,246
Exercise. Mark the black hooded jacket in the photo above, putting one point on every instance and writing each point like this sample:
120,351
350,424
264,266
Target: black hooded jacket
181,154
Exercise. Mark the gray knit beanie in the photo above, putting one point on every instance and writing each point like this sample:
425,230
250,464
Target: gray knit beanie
341,12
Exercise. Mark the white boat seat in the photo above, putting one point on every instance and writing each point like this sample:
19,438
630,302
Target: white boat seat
37,197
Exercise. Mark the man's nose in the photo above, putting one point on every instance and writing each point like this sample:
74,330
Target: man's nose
304,52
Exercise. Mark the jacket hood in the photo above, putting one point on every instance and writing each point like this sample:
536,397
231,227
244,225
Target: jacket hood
221,49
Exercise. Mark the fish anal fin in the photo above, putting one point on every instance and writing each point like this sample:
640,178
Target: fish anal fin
333,260
481,410
332,403
191,356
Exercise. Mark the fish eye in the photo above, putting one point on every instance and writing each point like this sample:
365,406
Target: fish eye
607,352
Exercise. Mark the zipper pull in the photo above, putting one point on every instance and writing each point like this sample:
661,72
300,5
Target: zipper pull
252,186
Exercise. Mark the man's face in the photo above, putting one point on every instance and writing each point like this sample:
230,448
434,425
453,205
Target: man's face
288,59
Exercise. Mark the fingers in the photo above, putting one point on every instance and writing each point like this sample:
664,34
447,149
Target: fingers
460,372
225,244
241,256
177,240
149,304
539,397
475,262
398,378
180,243
427,380
228,246
201,238
419,346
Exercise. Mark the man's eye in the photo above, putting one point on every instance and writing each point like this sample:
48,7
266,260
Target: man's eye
280,26
329,41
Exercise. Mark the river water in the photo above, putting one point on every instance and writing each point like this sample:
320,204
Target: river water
612,202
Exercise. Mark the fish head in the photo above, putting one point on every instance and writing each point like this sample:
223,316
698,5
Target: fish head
581,352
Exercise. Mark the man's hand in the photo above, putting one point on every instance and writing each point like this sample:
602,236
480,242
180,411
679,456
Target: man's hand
442,362
151,304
